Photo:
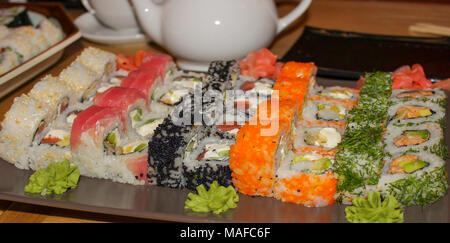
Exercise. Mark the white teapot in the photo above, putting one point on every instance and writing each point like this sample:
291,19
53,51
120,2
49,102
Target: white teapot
197,32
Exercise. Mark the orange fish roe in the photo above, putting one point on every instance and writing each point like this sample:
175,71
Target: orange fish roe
255,157
298,70
292,89
307,189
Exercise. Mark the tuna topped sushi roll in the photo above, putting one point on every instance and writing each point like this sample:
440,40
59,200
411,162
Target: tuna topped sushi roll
162,64
96,134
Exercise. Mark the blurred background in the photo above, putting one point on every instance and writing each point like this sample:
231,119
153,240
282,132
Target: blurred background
77,3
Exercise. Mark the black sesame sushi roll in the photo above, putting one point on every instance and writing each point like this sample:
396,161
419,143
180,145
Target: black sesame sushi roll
166,151
206,158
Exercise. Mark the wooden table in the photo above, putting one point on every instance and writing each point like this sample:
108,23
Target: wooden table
391,18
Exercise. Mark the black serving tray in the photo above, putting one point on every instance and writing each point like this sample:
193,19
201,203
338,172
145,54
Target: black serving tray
348,55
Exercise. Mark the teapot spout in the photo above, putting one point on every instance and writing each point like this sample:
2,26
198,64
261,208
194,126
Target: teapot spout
148,13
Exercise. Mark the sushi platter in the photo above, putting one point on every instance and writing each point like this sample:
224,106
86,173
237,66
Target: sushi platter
46,25
296,147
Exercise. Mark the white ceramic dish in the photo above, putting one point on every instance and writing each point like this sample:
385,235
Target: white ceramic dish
29,69
94,31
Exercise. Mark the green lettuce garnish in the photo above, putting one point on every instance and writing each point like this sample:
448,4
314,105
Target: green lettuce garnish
56,178
372,210
217,199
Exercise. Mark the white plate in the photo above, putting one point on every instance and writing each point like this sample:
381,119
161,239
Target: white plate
94,31
32,67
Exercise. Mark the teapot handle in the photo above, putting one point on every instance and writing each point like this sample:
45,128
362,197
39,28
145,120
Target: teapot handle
293,15
88,6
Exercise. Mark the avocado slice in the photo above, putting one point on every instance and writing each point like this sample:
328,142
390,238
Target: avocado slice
412,166
425,112
321,165
424,134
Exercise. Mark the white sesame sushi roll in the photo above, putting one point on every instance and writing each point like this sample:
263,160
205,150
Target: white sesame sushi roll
101,62
4,31
8,61
34,37
18,45
82,80
52,33
50,91
24,125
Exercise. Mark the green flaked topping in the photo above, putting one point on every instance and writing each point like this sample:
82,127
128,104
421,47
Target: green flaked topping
56,178
373,210
217,199
359,159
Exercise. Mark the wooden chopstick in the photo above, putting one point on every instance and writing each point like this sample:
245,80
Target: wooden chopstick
430,29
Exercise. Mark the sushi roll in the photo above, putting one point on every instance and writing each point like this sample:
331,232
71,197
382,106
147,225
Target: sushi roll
323,110
306,179
100,62
8,61
96,134
49,91
413,178
260,146
206,158
52,33
322,136
166,151
15,17
222,75
24,126
162,64
416,111
34,38
423,137
18,45
336,93
4,31
360,155
131,102
82,81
